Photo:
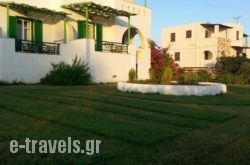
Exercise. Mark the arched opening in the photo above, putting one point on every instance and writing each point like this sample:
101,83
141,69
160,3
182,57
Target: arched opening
208,55
135,36
138,40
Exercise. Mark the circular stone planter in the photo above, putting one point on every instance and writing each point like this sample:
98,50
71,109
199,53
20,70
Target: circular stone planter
203,89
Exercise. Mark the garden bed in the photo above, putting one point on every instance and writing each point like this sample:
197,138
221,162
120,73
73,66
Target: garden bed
202,89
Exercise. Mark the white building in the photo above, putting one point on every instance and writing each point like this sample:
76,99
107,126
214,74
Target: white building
200,44
36,33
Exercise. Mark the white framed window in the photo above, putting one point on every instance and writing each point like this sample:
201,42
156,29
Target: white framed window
24,29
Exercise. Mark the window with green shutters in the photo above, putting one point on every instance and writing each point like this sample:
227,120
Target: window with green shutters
38,30
12,27
99,31
24,29
81,26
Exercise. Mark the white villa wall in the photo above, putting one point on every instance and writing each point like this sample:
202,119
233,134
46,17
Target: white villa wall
25,67
49,32
55,33
109,67
113,67
144,64
75,48
30,67
104,67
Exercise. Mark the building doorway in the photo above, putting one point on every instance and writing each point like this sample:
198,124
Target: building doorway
138,40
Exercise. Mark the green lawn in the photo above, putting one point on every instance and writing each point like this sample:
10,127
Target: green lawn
133,128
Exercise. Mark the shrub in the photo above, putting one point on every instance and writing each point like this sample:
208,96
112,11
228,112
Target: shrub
226,78
233,70
178,75
132,75
155,74
66,74
190,78
230,64
167,76
239,79
229,78
245,72
204,76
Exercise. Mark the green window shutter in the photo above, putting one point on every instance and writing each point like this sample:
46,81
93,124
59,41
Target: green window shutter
81,25
12,27
99,31
38,27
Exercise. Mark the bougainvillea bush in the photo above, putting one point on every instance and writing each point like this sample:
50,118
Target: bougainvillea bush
160,59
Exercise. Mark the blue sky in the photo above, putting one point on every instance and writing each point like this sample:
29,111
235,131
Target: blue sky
175,12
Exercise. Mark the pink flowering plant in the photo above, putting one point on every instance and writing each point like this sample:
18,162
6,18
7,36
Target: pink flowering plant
163,65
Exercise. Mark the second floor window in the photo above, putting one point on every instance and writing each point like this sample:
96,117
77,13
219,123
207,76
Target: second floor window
24,29
177,56
189,34
207,34
172,37
237,35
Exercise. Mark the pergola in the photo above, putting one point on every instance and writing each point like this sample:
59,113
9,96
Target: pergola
35,12
88,9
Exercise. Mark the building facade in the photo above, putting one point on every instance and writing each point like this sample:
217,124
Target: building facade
34,34
200,44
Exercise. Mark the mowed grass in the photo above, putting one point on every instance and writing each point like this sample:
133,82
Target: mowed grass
133,128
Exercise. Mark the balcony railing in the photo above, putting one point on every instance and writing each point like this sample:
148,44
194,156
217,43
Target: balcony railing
112,47
37,47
